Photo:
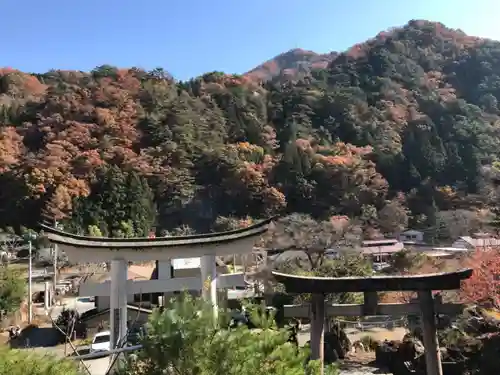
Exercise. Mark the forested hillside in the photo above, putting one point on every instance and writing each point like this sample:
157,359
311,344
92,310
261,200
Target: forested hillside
406,121
291,63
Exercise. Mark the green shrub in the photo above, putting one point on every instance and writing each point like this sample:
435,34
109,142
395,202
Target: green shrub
186,340
27,362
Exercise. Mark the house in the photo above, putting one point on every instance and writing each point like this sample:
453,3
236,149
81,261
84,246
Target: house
381,250
477,240
95,318
411,235
180,268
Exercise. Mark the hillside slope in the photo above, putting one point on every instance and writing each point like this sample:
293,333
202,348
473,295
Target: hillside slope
409,119
290,64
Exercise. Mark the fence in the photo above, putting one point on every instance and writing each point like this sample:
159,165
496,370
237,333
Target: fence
365,325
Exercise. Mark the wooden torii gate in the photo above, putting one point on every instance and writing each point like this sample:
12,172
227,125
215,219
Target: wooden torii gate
427,306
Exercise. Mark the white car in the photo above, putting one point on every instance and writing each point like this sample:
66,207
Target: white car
101,342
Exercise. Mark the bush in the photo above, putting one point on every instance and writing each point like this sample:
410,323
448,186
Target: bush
17,362
186,340
12,290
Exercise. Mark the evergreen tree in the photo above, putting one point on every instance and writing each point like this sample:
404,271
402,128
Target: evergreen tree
121,204
142,210
185,340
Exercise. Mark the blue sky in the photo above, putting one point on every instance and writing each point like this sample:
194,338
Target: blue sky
190,37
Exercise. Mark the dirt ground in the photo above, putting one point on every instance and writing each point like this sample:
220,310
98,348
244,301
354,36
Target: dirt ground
379,334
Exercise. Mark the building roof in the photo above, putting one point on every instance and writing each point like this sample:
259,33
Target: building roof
412,231
90,314
381,242
437,254
451,249
481,242
134,272
385,246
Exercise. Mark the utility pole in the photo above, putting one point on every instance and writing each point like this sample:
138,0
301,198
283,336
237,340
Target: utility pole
54,280
30,271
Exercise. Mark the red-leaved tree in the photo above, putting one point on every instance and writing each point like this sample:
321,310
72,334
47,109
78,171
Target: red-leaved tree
483,288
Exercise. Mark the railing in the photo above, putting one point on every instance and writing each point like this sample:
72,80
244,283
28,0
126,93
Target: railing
366,325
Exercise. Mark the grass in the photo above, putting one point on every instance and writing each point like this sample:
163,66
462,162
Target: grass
21,267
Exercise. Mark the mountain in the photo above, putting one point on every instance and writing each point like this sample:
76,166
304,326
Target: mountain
401,128
290,63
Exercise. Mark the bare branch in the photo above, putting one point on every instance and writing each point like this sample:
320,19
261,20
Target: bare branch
75,351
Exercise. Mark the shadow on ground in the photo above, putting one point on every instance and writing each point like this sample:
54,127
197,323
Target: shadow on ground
36,337
84,351
79,351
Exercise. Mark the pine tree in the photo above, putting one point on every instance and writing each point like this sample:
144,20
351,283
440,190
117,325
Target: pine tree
141,207
185,340
120,204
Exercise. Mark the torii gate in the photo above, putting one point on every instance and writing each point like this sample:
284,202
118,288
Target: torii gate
120,251
370,286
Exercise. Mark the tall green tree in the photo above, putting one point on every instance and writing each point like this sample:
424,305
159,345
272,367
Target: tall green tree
12,290
120,203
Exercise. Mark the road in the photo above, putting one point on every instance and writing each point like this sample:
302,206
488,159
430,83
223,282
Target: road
98,366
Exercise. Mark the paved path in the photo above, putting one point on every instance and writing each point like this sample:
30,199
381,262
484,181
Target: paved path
98,366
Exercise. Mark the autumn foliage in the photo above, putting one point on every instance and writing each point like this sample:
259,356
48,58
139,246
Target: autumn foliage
387,133
483,288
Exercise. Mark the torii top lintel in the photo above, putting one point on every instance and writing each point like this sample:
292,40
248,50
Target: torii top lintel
434,281
106,248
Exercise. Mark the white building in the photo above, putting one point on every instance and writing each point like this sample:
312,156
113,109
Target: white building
381,250
477,240
179,268
411,235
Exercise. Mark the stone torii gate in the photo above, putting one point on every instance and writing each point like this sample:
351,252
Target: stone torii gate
120,251
427,306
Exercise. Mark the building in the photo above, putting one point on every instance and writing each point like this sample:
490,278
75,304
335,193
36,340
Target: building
95,318
411,235
477,240
187,267
381,250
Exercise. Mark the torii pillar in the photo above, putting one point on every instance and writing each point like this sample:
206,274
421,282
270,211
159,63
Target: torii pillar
118,302
209,281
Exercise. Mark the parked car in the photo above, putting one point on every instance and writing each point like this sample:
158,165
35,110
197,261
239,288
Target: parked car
101,342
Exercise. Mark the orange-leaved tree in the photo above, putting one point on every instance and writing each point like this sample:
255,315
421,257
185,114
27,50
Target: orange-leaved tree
483,288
